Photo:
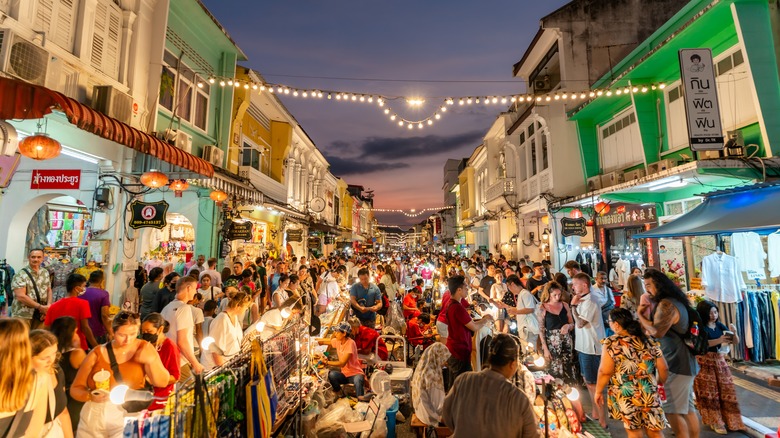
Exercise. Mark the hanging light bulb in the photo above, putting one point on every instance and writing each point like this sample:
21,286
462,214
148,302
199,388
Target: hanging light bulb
295,93
609,92
211,80
400,123
392,117
178,186
221,83
262,88
547,98
420,125
460,102
437,116
410,126
662,86
387,110
200,84
618,92
254,86
430,122
444,109
230,82
362,98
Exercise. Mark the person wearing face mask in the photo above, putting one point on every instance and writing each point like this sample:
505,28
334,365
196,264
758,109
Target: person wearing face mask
75,307
153,331
167,293
44,362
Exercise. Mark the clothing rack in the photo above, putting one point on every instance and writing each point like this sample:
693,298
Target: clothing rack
757,319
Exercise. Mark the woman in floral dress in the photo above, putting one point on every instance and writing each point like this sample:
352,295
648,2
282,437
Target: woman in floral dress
557,327
630,363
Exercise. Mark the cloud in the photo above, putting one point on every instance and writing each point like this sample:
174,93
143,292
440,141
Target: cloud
394,148
358,166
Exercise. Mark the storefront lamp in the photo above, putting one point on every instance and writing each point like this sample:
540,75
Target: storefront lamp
154,179
218,196
39,147
576,214
178,186
545,234
545,220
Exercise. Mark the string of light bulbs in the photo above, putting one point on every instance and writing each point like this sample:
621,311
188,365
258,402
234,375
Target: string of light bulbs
381,100
409,213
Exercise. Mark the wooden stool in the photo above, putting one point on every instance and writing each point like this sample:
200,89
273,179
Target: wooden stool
419,428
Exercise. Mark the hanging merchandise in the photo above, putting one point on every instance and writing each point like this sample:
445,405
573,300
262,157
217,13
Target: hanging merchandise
721,278
749,251
773,254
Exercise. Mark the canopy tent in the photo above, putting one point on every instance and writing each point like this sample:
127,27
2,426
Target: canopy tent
755,209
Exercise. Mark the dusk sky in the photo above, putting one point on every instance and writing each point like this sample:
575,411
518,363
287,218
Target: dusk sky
412,43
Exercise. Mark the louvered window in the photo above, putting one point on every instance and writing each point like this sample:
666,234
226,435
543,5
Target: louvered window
58,19
106,38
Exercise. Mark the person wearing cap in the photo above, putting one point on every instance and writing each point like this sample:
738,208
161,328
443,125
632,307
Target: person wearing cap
486,403
348,362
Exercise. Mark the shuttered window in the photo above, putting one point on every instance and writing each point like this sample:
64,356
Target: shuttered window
58,19
106,38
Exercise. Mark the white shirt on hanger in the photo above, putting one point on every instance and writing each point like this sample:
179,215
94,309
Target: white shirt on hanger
721,278
773,248
749,251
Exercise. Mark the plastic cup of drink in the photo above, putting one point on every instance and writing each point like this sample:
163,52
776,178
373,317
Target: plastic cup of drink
102,380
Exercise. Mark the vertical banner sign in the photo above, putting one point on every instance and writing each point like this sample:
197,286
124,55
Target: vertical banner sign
701,100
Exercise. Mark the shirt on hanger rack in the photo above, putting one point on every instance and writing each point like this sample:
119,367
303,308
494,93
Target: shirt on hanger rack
749,251
721,278
773,250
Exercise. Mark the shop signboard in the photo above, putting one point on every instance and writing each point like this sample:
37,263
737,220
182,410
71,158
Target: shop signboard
628,215
701,100
240,231
295,235
460,241
330,240
55,179
574,227
148,214
224,249
314,242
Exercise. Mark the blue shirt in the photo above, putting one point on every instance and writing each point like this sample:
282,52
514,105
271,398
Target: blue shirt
366,298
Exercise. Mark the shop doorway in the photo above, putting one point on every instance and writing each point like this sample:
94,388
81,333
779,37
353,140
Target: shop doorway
622,245
173,245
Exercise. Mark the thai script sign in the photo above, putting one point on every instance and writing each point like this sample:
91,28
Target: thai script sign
701,99
45,179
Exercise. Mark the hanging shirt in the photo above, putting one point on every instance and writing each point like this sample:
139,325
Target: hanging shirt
721,278
749,251
773,248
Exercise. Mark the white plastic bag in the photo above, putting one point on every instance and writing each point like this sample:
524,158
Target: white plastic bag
395,318
336,414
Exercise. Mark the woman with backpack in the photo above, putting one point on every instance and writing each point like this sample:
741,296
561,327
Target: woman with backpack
716,396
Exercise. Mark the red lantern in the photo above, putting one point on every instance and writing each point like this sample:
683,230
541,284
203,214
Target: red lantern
589,223
602,208
178,186
576,213
218,196
39,147
154,179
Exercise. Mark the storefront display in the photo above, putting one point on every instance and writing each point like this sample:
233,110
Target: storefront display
616,229
176,239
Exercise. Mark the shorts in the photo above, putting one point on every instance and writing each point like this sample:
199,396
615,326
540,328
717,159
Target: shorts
589,367
679,394
442,329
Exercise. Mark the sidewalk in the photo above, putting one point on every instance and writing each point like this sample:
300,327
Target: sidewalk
760,403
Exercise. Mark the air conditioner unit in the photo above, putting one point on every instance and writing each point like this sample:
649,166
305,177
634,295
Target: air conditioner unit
594,183
213,155
660,166
179,138
611,179
633,175
22,59
113,103
542,84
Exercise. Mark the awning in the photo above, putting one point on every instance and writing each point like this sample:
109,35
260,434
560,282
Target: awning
734,211
20,100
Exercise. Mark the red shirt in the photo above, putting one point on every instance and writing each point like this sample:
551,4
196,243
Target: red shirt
446,299
459,336
410,301
169,355
415,335
366,342
74,307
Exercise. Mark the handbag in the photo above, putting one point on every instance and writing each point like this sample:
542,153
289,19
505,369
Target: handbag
131,406
37,314
261,397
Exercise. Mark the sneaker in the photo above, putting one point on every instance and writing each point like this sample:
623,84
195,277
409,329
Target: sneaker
720,430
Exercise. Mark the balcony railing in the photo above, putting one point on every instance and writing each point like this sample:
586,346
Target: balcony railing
503,186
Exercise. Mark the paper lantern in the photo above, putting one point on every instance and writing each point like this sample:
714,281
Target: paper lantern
178,186
218,196
154,179
589,223
39,147
546,220
602,208
576,213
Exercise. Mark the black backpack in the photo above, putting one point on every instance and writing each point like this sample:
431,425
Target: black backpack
697,344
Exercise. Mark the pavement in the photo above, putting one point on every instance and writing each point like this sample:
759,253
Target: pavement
759,402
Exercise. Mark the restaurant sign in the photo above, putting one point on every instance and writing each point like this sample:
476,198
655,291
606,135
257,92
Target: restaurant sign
628,215
240,231
574,227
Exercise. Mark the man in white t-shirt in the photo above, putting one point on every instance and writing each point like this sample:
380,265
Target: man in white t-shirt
525,311
182,326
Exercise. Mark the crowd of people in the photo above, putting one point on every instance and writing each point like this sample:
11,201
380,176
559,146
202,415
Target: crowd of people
625,344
